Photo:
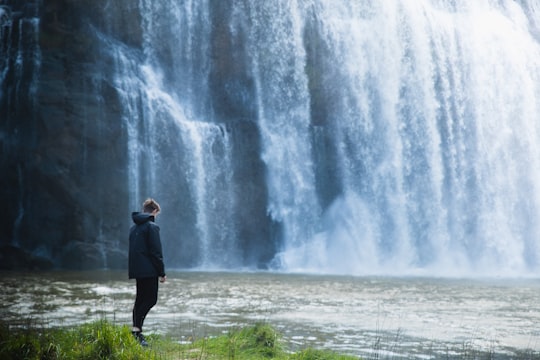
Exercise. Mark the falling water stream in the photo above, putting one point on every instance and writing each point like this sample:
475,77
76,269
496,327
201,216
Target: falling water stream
394,136
326,136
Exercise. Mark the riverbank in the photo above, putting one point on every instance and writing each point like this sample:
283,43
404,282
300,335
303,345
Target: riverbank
104,340
368,317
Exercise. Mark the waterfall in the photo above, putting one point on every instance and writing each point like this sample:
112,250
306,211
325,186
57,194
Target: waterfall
432,112
333,136
177,151
395,137
283,114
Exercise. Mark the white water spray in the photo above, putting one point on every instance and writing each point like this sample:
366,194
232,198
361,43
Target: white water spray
436,133
396,137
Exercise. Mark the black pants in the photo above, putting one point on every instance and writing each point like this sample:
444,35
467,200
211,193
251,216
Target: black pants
147,292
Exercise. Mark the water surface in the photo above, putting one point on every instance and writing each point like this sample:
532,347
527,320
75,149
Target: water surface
368,316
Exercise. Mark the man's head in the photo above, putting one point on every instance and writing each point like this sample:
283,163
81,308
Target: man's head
151,206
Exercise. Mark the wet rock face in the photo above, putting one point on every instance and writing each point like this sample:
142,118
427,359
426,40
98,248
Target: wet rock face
62,144
12,257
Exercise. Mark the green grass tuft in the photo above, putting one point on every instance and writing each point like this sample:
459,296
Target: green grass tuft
313,354
95,341
102,340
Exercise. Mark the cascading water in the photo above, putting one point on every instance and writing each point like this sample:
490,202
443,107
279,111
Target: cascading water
434,140
432,118
277,64
174,145
394,135
20,65
332,136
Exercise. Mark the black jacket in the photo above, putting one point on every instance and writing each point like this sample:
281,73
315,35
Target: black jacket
145,254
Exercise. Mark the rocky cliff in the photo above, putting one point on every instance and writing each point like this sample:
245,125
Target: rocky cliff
63,144
66,189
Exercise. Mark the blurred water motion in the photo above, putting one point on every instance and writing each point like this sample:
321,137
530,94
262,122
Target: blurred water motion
357,315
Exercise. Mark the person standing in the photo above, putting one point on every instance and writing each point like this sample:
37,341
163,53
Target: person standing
145,263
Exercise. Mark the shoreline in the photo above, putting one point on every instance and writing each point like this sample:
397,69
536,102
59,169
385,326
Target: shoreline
351,314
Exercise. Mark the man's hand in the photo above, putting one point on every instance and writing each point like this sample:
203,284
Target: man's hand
162,279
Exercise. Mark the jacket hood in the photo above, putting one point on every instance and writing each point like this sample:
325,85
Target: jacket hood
141,218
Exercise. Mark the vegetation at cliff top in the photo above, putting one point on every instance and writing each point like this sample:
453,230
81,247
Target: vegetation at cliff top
103,340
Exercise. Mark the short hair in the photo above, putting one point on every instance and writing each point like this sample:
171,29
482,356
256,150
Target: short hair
150,205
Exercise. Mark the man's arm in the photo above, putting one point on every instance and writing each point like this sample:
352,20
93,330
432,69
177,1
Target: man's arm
156,253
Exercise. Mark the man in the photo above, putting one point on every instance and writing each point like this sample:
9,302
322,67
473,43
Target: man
145,263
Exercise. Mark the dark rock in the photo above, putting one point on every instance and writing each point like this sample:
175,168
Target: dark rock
117,259
82,256
15,258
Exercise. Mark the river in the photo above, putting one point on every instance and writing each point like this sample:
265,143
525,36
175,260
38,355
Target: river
374,317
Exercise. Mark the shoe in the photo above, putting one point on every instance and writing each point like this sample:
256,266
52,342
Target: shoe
140,338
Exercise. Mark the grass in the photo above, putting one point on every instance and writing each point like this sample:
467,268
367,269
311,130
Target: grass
103,340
